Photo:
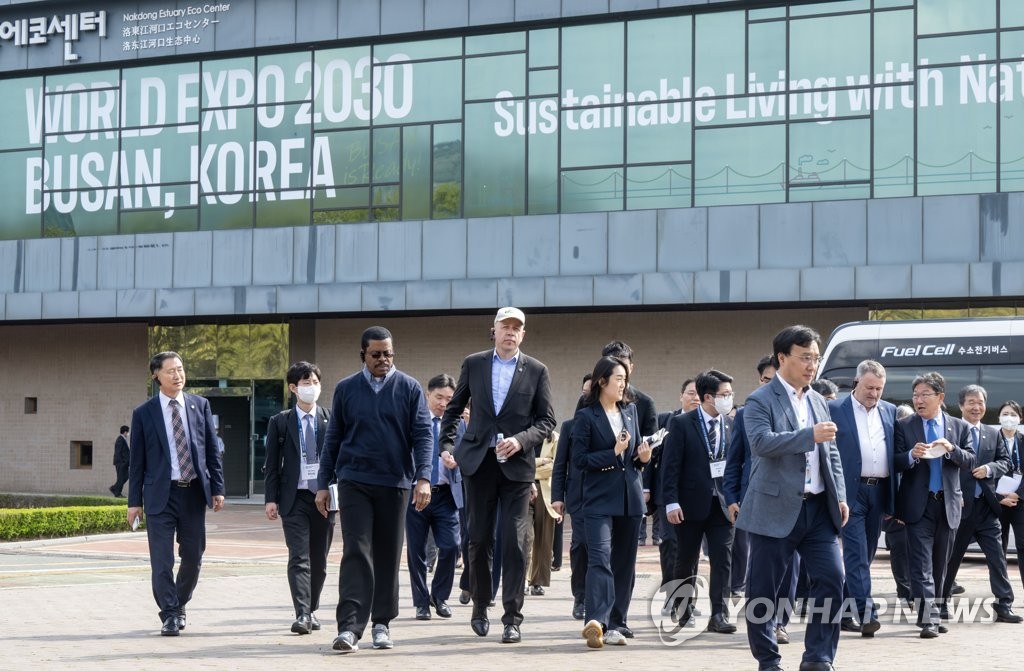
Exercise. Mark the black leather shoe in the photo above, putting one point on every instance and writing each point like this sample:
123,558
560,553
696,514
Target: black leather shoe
302,625
180,618
170,627
464,597
481,625
957,588
849,624
868,629
929,631
511,634
943,613
1007,615
422,612
625,631
314,623
537,590
816,666
943,629
781,635
579,609
685,615
441,608
720,625
773,667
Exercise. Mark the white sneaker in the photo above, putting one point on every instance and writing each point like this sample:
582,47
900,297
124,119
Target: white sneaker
382,637
614,637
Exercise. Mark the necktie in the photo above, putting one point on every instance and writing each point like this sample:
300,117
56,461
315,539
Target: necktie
976,437
713,436
437,454
185,467
309,438
931,434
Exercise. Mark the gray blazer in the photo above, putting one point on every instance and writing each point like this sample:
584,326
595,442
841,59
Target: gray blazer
775,493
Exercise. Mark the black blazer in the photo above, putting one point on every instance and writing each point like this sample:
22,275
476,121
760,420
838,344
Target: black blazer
281,469
992,453
611,484
120,451
912,495
686,470
1017,442
566,481
526,415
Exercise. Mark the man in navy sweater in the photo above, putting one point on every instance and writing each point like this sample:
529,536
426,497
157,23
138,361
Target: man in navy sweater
378,444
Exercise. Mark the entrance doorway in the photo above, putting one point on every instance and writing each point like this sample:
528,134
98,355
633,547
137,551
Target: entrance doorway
233,415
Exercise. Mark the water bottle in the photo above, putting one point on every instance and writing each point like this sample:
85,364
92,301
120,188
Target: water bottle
497,439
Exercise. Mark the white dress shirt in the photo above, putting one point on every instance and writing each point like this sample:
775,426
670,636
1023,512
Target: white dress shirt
813,484
874,462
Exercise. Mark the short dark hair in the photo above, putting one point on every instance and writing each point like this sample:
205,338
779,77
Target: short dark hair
618,349
440,382
686,383
1012,405
586,377
124,429
825,387
157,362
972,390
602,371
373,333
765,362
302,370
709,381
933,379
798,334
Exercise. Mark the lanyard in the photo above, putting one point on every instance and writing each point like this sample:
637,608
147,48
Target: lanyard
707,439
1014,452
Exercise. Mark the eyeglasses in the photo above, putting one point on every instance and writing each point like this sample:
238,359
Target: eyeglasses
381,355
923,397
808,359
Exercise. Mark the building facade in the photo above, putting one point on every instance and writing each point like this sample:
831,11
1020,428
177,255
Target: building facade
254,182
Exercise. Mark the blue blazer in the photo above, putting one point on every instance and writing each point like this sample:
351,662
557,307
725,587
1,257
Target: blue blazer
611,484
454,475
566,480
848,441
737,462
149,468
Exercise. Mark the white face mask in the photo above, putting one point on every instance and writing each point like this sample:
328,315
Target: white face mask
723,405
308,394
1009,422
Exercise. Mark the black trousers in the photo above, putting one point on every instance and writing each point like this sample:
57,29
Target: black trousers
184,517
1013,518
372,528
981,525
308,535
578,558
487,492
896,541
719,532
122,478
929,544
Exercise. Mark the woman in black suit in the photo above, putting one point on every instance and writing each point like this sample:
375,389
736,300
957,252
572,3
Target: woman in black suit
1012,513
607,451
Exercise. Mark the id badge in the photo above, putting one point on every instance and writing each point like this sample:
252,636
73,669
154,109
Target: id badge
718,468
310,471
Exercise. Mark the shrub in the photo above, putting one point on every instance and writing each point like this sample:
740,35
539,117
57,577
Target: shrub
25,523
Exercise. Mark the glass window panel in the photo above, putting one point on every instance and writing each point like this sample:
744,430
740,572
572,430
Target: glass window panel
386,154
416,172
343,99
657,186
766,51
767,13
447,195
353,196
542,186
80,213
827,50
954,49
894,144
836,151
22,126
834,7
161,94
543,82
1011,13
384,214
883,4
1011,141
592,136
830,103
894,43
740,165
544,48
158,221
356,216
592,64
487,76
955,16
282,78
350,156
599,190
956,143
490,44
495,166
83,80
718,59
225,160
81,112
386,195
659,55
23,199
423,49
75,163
440,86
284,208
1011,44
228,83
806,193
655,142
283,149
219,216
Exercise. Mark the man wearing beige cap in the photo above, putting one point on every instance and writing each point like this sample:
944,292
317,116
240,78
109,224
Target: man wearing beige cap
512,415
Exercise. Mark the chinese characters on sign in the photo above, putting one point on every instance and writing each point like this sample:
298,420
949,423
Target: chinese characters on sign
169,27
39,30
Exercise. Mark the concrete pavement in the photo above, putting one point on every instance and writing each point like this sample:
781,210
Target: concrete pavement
85,603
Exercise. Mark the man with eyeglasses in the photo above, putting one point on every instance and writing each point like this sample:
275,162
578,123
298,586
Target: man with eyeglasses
512,415
931,449
795,502
694,463
378,445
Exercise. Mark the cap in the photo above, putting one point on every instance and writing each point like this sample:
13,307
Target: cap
510,313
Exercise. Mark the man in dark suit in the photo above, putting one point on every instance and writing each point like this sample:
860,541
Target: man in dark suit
694,463
175,471
795,502
931,449
979,520
440,516
512,415
295,440
567,497
121,453
864,425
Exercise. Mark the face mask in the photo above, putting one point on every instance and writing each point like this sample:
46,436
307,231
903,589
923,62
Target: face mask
723,405
308,394
1009,422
